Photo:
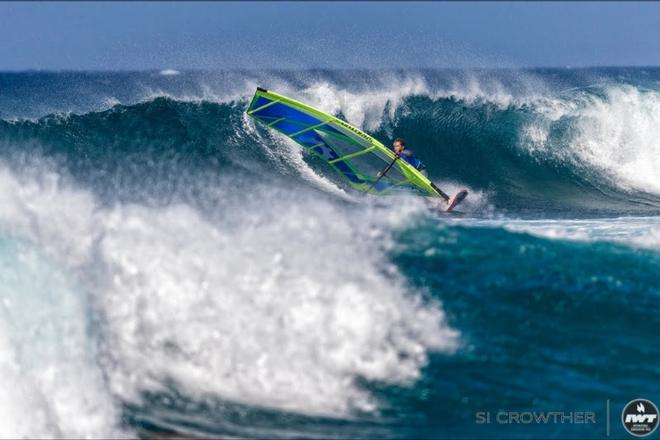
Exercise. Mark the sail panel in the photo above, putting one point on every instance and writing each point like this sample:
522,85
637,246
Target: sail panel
353,154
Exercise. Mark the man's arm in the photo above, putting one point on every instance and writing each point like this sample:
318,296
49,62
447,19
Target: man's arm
406,153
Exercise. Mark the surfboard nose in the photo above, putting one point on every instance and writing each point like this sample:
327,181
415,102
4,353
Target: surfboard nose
458,198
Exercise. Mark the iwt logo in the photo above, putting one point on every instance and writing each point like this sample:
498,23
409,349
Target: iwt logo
640,417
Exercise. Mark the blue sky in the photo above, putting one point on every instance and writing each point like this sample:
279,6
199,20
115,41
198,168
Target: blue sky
112,36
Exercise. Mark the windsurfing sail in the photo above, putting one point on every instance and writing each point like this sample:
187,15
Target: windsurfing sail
357,157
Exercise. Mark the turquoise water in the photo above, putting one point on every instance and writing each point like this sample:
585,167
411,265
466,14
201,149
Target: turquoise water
187,272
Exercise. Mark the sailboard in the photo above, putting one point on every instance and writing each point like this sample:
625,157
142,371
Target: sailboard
362,161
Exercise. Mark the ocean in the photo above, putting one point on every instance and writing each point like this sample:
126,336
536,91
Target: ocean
167,267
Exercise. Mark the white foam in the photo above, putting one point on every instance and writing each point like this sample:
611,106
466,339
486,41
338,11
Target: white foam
621,136
37,207
364,103
616,135
641,232
109,102
285,311
169,72
285,303
363,108
475,88
50,381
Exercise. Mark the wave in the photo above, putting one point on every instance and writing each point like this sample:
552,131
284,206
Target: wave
548,156
184,269
588,150
220,312
173,315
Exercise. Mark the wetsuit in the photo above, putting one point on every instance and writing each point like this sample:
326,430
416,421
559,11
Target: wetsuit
412,160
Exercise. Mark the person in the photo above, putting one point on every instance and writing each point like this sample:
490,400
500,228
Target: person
399,147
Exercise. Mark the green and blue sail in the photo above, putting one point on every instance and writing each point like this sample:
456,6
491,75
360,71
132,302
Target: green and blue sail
353,154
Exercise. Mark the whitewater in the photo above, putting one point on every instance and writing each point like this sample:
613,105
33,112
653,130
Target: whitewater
166,266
